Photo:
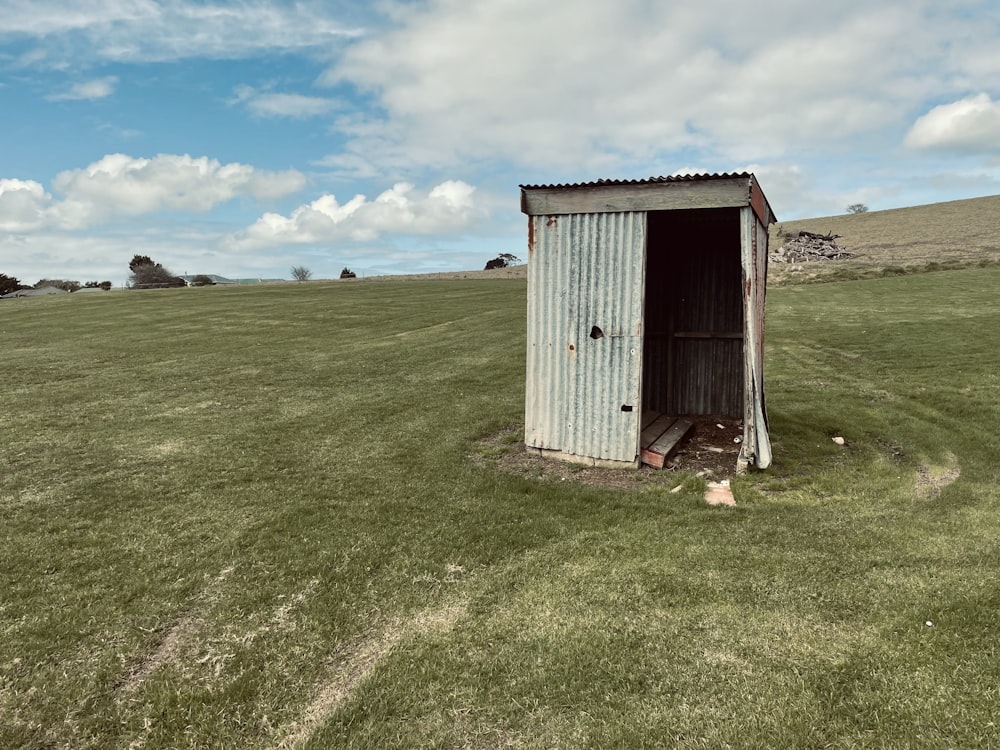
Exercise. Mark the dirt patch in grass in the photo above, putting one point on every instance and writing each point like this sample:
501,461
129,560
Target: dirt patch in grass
710,451
932,479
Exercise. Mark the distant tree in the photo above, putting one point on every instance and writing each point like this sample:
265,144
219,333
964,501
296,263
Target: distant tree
65,284
140,260
857,208
105,285
9,284
147,274
301,273
503,260
347,273
202,280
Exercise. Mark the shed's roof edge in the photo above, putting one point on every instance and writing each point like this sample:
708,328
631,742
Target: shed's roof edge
647,181
755,196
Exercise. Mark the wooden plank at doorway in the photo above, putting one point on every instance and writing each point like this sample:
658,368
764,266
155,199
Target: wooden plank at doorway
652,431
648,417
659,451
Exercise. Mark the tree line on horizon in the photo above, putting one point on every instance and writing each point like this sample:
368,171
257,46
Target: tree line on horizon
9,284
145,273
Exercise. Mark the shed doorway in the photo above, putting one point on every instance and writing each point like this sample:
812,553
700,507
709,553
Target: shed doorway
693,314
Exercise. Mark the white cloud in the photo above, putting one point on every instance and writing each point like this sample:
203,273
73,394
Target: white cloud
565,85
971,124
41,17
448,207
157,30
121,185
98,88
270,104
24,206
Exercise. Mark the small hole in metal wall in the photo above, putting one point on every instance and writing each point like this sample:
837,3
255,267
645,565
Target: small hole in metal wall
572,348
626,407
596,333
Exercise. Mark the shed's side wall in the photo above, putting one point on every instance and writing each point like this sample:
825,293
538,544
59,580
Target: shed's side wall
582,392
756,447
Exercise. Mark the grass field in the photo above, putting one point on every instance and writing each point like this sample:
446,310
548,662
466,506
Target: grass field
253,518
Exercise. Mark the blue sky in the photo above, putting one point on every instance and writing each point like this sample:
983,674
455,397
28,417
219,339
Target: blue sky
244,138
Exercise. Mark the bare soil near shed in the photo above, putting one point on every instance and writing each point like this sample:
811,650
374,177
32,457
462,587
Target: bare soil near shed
710,452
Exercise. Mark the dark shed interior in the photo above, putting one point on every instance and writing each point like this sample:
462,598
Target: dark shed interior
693,363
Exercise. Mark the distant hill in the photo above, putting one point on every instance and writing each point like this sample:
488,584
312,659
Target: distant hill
939,235
511,272
223,280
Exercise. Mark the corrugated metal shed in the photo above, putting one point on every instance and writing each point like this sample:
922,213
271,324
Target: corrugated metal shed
644,295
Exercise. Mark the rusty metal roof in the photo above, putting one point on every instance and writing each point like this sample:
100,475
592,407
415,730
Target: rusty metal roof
644,194
647,181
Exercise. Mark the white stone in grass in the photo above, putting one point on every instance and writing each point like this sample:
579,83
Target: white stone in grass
839,440
929,624
718,493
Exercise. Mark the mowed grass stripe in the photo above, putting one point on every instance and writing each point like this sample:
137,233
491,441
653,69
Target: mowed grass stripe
232,516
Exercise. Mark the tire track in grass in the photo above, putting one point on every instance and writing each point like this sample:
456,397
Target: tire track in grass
173,639
187,629
176,642
357,661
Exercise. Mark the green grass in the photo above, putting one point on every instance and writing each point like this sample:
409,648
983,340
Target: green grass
251,518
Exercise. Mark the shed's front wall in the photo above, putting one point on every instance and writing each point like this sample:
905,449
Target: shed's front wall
584,361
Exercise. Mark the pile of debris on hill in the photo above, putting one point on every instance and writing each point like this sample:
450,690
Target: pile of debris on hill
809,246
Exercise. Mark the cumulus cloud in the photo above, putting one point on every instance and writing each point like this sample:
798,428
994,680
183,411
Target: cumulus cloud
120,185
98,88
971,124
24,206
447,207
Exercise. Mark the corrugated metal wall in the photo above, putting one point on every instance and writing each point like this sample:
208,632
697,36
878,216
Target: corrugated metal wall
584,361
756,448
